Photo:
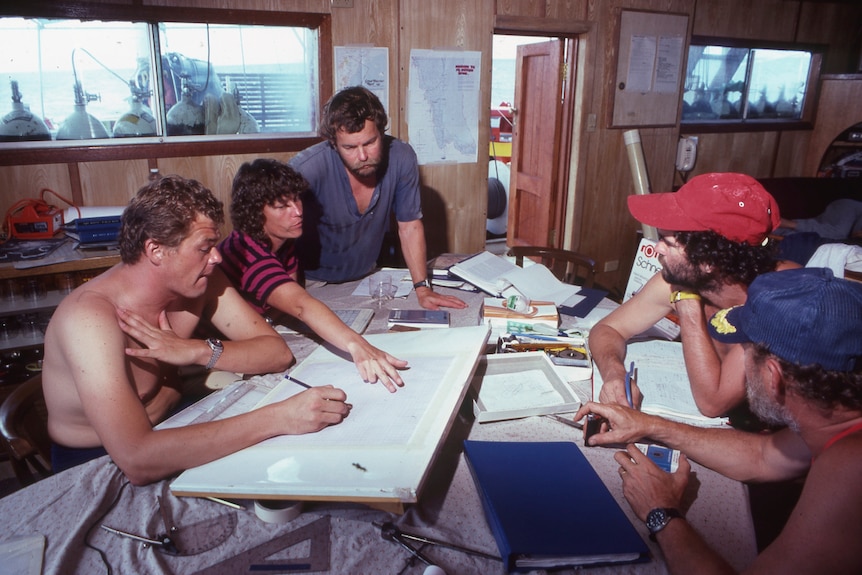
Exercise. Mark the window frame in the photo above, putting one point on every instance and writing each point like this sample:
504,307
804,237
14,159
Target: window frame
806,122
52,152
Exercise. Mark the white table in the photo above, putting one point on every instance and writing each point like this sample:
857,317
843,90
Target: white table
69,507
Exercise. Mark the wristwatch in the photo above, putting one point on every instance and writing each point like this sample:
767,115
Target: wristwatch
424,283
217,346
680,295
658,518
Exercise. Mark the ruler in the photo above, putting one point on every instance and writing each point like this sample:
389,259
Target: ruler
263,557
238,397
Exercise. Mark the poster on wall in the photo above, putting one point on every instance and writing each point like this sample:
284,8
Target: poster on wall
443,105
366,66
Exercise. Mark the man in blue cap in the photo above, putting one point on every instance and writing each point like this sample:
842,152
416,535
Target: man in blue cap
801,331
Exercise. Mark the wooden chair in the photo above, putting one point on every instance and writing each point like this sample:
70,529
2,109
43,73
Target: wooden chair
24,427
569,267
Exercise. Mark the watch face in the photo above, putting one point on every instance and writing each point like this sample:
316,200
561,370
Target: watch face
215,343
657,519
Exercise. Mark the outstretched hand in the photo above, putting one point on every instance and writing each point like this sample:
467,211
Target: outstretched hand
376,365
429,299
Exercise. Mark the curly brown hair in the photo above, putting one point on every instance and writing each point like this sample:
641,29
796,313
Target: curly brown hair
732,262
260,183
348,110
164,210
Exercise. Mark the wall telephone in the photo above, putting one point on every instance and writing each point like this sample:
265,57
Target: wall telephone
686,153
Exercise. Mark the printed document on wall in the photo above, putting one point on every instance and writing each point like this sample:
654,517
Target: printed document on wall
366,66
443,105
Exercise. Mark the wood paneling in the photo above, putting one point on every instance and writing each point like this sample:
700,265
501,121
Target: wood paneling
455,196
773,20
839,107
461,188
21,182
746,152
112,183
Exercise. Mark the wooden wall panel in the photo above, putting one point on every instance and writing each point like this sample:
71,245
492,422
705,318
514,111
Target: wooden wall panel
215,172
459,189
790,156
746,152
820,23
112,183
22,182
551,9
607,232
761,19
839,107
313,6
375,23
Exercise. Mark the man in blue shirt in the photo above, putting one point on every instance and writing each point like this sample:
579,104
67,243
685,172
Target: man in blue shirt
357,178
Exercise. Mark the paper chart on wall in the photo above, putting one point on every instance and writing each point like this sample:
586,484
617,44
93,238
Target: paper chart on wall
402,409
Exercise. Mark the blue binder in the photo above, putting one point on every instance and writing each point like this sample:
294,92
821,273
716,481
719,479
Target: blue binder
547,507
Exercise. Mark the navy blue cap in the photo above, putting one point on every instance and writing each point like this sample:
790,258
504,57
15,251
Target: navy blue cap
804,316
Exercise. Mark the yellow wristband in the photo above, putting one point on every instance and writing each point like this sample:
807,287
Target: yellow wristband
679,295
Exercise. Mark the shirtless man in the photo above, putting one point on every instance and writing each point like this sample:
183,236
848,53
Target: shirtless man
113,347
713,245
804,373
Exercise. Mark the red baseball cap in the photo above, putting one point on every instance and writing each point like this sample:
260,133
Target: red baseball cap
733,205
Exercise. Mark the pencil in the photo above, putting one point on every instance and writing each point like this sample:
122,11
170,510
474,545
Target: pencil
289,377
223,502
629,375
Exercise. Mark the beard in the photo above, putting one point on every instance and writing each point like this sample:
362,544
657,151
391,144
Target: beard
687,276
366,170
765,408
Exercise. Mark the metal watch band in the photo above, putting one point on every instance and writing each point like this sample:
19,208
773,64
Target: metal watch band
217,347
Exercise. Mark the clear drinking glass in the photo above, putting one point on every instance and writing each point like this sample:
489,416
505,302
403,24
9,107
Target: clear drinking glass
381,289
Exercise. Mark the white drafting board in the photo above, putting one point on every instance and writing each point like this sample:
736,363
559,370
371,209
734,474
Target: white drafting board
381,453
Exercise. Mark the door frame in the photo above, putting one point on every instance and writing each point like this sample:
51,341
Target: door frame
569,189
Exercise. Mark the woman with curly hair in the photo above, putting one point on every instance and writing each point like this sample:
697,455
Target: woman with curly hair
259,258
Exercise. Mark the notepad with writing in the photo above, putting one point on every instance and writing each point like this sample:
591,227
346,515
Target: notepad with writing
548,508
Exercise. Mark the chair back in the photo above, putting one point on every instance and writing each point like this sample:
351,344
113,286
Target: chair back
24,428
568,266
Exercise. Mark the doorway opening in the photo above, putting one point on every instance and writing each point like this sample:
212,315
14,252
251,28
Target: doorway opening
530,114
503,67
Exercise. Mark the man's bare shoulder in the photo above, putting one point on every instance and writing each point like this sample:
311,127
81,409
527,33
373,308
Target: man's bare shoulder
91,299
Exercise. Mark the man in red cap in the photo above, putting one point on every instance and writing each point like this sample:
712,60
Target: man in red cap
714,235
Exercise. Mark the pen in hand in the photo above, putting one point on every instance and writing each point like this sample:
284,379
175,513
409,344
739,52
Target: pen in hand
289,377
630,375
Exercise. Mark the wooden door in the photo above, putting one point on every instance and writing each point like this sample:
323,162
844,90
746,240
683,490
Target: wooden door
535,144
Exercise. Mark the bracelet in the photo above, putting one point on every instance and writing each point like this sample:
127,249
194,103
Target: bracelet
680,295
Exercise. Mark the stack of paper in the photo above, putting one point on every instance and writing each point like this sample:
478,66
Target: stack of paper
542,317
663,380
537,282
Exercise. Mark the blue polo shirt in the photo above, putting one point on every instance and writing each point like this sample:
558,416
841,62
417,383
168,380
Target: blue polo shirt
338,243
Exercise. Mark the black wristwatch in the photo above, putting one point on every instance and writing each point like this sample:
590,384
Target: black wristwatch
217,347
658,518
424,283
